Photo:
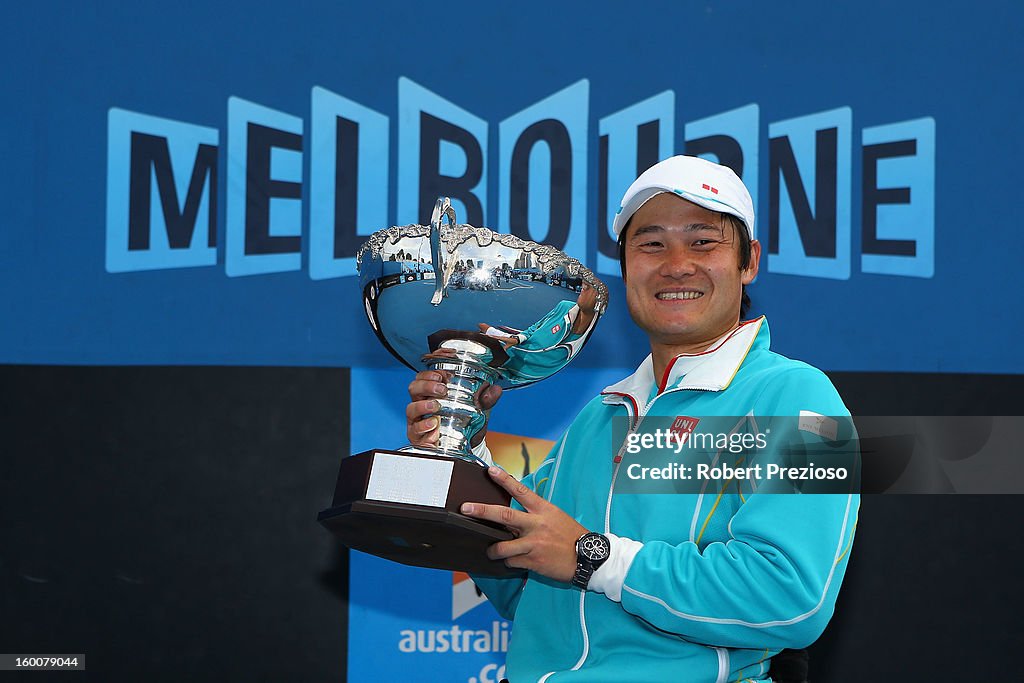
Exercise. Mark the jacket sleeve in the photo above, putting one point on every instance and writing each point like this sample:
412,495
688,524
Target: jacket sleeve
774,582
504,592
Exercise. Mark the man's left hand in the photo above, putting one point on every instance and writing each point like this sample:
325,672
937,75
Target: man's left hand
545,536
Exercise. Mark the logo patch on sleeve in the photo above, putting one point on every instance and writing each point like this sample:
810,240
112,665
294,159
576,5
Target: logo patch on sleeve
816,423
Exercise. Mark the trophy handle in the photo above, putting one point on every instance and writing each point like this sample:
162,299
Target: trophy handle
442,208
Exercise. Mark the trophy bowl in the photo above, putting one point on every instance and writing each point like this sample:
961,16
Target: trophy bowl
483,308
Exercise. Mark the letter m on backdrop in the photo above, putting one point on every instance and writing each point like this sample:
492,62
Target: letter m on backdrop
161,193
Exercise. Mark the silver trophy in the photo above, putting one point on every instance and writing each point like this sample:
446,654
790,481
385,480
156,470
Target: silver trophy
484,308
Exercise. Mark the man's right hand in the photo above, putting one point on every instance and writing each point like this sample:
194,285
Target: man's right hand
421,422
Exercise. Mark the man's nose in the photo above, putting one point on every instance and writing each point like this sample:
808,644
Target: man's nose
678,263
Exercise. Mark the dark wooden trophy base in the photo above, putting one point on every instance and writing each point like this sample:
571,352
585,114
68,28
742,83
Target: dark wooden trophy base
370,511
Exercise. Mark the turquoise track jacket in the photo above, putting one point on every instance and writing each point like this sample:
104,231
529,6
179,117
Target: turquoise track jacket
700,586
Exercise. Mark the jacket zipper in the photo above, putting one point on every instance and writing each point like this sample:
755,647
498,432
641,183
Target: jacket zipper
723,655
632,429
608,510
618,458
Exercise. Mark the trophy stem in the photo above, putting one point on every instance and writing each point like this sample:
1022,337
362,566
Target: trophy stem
461,416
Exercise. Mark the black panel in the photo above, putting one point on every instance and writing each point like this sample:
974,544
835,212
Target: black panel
163,521
918,393
932,593
933,585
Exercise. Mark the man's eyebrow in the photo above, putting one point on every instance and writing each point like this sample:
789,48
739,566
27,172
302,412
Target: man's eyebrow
644,229
692,227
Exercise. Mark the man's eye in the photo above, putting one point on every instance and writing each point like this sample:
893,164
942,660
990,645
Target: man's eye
704,243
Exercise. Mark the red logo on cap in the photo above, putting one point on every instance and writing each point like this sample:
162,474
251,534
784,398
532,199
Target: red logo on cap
714,190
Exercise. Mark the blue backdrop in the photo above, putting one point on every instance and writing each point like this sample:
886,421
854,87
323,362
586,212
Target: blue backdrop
187,183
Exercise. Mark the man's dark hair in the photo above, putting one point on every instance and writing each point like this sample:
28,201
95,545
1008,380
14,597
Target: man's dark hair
740,230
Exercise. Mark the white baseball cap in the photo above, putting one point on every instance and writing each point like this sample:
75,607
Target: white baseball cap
700,181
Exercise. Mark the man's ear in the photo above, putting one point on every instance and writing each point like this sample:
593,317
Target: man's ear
750,272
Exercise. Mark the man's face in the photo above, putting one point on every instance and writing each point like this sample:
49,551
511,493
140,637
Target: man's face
683,280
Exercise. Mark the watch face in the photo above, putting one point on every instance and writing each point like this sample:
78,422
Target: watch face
594,547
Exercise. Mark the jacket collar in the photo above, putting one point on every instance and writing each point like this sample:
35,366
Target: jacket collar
710,370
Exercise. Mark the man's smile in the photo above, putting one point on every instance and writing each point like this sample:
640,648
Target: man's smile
677,295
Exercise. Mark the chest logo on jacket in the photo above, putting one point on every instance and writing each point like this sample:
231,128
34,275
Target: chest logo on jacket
683,426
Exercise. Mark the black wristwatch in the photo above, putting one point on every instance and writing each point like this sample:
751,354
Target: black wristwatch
592,549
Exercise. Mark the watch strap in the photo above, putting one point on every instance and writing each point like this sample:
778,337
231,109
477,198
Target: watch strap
581,579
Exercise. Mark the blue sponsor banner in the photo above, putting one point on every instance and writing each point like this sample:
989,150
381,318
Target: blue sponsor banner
180,189
417,624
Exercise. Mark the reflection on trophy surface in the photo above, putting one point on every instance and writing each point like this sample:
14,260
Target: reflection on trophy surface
484,308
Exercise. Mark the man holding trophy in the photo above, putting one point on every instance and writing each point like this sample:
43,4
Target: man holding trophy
706,584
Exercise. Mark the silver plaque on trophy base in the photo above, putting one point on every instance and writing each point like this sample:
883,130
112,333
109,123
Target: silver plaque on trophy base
484,308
